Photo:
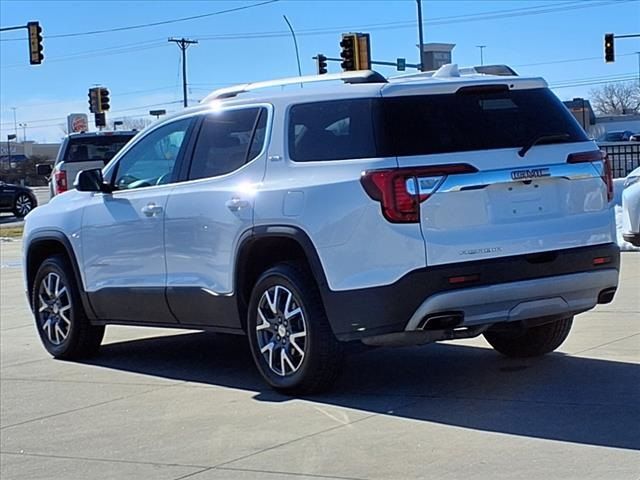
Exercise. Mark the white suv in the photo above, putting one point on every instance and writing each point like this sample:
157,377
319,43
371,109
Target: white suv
389,211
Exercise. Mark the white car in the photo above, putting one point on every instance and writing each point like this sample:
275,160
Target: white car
82,151
399,211
631,208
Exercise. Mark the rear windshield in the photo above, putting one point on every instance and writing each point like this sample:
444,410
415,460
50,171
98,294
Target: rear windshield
427,124
98,148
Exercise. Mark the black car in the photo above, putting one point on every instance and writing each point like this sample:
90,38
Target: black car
16,199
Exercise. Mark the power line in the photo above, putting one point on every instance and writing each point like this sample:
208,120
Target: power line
492,15
151,24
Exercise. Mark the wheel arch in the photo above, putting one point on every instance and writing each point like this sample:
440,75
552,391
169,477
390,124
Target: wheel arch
265,246
45,245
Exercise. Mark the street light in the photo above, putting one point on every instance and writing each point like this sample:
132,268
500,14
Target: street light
481,47
116,124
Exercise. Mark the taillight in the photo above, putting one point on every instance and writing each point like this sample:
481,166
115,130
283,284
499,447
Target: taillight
61,181
596,156
401,190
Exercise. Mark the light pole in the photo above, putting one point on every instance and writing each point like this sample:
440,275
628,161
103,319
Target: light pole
481,47
15,123
295,44
420,34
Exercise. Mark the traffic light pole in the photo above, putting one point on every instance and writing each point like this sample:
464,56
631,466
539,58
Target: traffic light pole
183,44
376,62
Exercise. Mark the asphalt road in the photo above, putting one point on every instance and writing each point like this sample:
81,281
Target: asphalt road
163,404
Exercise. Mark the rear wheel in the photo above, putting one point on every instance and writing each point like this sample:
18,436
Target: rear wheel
62,324
290,338
23,205
516,341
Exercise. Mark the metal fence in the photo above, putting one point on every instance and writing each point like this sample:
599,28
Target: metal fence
624,156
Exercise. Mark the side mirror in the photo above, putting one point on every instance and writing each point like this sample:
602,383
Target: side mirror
91,181
44,169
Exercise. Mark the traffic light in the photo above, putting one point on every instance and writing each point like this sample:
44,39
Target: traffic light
35,43
349,52
609,55
94,100
104,99
356,51
321,63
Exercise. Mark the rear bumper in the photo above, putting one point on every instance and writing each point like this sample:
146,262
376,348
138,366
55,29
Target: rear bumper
632,238
562,295
506,289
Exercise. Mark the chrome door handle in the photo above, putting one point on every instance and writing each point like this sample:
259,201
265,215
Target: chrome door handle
151,209
236,204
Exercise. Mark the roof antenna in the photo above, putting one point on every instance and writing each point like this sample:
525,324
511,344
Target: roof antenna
448,70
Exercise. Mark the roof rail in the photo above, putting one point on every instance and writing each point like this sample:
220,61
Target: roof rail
359,76
498,70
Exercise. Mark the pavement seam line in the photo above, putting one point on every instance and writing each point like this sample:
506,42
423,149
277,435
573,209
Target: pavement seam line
314,475
108,460
45,417
311,435
87,382
605,344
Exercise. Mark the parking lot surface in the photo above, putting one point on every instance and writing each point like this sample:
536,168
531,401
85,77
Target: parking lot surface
170,404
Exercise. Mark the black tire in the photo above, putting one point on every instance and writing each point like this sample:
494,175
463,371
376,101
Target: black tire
80,339
322,359
530,342
22,205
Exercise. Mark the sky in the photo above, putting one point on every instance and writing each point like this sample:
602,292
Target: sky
243,41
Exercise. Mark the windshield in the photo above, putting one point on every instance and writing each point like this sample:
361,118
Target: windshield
95,148
420,125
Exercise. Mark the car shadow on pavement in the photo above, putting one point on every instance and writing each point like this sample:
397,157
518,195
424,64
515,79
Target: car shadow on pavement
557,397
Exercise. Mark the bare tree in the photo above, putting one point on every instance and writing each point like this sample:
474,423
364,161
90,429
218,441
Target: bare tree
64,128
616,98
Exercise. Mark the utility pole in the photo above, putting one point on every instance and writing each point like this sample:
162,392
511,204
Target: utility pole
420,33
183,44
481,47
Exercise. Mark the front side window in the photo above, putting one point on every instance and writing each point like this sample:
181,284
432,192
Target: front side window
151,161
228,140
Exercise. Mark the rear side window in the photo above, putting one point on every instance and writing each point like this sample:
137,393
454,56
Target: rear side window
473,120
227,140
94,148
334,130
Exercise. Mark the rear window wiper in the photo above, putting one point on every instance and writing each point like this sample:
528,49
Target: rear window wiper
553,137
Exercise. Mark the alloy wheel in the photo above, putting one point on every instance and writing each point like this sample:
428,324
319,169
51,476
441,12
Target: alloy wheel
54,308
281,330
23,205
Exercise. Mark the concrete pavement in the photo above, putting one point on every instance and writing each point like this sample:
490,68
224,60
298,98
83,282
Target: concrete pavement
169,404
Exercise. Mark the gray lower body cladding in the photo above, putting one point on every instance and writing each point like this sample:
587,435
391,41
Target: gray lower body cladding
501,292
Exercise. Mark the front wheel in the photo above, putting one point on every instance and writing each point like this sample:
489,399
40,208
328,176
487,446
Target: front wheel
515,341
64,329
290,338
23,205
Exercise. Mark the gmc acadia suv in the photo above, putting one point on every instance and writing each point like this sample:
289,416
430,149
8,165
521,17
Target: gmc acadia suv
399,211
